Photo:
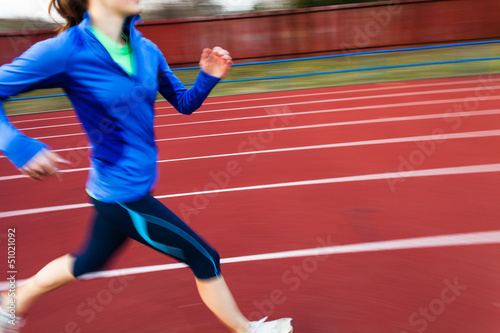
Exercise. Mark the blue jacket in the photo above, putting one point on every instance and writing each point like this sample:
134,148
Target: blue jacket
115,109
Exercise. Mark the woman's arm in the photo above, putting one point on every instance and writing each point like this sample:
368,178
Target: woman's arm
214,65
42,66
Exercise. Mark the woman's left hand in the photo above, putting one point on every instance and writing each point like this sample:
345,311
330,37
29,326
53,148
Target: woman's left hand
216,61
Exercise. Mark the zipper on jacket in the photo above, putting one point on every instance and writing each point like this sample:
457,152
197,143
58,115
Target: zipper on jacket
135,54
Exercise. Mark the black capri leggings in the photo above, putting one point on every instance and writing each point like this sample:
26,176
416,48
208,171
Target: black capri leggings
147,221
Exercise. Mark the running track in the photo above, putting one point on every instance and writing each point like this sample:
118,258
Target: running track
357,209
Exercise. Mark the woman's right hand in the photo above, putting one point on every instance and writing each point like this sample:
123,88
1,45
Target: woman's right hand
43,164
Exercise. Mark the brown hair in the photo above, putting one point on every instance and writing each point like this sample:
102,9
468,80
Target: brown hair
71,10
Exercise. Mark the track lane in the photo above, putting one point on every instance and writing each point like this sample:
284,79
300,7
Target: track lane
192,176
468,81
355,292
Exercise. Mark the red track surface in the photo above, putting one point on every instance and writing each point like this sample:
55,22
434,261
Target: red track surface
369,292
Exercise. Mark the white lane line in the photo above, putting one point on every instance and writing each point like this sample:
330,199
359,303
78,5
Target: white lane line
418,93
291,113
463,239
464,98
471,169
59,136
48,126
388,87
405,85
439,241
485,168
21,176
344,123
41,119
450,136
381,106
43,210
364,107
450,114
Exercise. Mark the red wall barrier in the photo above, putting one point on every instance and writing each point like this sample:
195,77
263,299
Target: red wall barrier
308,31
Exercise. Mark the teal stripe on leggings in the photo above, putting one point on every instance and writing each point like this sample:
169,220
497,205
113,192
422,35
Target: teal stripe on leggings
140,222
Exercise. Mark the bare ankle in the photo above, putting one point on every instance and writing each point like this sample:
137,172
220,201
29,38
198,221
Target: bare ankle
243,329
3,298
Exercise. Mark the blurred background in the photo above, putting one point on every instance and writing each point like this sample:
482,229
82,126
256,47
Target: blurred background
14,16
260,30
383,115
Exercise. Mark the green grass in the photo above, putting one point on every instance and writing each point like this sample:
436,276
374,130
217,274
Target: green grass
314,66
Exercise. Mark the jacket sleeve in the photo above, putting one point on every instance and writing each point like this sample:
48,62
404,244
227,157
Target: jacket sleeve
184,100
41,66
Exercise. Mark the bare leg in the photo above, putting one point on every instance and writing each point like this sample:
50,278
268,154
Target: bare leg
217,297
214,292
54,275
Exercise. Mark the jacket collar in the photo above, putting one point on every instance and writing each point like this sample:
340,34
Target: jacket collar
128,26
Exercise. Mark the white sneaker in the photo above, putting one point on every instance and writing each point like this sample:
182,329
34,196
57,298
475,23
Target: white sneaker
283,325
7,323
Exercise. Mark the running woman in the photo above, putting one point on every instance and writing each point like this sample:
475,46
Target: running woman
111,74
